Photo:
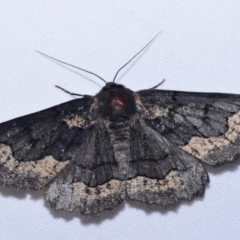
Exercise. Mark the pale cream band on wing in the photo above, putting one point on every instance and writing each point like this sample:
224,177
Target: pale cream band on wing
43,169
202,147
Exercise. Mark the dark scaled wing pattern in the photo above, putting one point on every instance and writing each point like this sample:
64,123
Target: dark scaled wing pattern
164,174
205,125
35,148
66,151
178,131
92,163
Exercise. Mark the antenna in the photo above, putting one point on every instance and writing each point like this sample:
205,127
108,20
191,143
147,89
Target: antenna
135,56
84,70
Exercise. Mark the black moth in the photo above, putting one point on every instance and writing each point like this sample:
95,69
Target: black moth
91,153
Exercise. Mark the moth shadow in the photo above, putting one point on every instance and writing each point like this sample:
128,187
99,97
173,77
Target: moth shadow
111,214
74,71
36,195
230,167
83,76
86,219
151,209
21,193
130,64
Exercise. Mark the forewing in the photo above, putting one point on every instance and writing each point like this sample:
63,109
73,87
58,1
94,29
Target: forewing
160,173
36,147
205,125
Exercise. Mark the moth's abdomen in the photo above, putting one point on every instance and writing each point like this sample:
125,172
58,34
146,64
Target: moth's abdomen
119,133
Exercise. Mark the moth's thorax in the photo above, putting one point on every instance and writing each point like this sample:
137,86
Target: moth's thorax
116,101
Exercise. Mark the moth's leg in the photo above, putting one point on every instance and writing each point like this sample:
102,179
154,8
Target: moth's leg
73,94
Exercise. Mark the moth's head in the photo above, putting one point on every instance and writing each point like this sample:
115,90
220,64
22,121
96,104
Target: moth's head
116,100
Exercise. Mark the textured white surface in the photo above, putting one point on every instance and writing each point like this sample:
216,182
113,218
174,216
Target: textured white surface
199,50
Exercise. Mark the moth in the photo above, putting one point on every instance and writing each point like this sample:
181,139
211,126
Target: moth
93,152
